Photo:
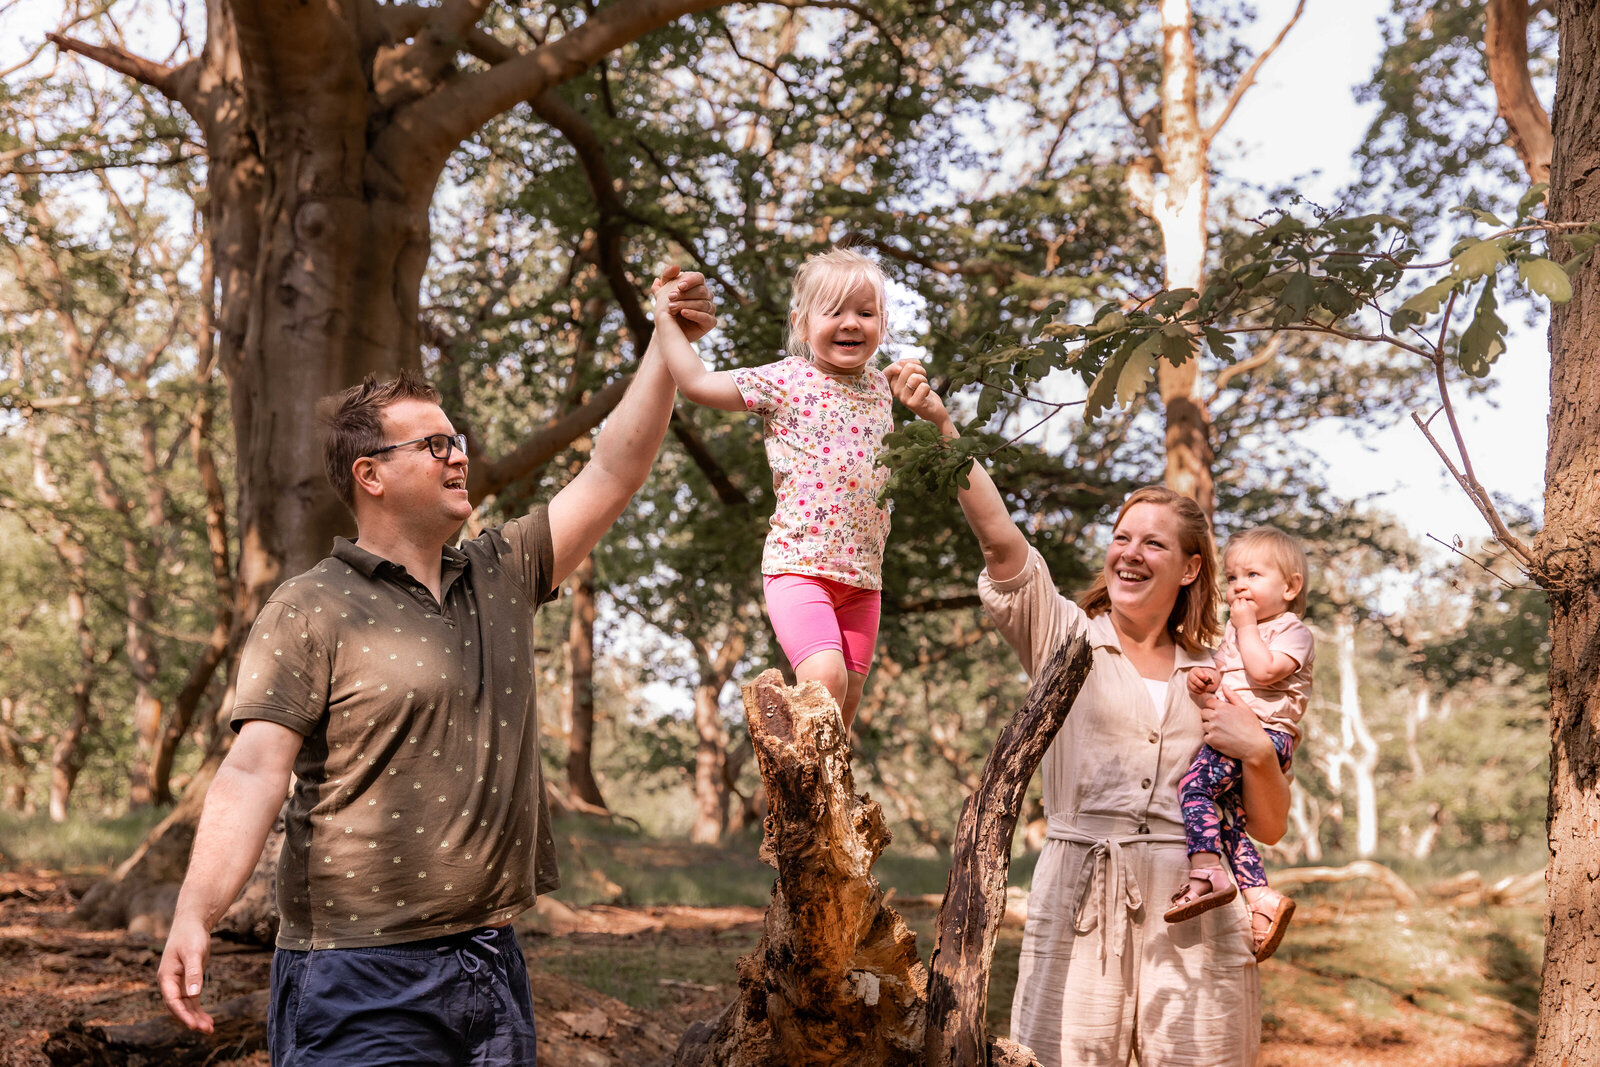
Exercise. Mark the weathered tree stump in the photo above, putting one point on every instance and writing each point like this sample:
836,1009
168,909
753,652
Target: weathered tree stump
975,892
836,977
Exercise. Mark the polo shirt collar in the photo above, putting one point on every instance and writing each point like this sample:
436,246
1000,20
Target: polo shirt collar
372,565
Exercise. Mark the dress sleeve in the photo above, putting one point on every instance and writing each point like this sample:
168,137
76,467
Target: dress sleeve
1032,616
764,388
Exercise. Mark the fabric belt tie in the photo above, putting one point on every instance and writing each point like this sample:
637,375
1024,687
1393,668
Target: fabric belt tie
485,938
1108,891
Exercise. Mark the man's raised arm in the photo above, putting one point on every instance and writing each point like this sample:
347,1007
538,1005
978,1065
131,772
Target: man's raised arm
626,446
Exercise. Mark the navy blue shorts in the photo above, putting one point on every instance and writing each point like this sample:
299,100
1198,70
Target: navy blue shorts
461,1000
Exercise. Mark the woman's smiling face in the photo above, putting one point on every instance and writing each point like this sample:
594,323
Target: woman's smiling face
1146,566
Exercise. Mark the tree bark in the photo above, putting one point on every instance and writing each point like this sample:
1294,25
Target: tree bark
1569,548
580,679
836,977
241,1028
975,892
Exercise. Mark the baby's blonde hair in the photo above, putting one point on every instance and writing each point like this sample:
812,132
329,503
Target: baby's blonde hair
1283,551
823,282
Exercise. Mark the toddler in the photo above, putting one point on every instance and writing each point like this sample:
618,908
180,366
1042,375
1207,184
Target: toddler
1264,663
825,410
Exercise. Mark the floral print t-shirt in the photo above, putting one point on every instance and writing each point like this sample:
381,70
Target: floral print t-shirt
822,436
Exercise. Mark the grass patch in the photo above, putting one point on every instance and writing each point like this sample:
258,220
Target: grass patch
81,843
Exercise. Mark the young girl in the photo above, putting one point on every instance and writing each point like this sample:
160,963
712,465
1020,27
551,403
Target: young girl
1264,663
826,410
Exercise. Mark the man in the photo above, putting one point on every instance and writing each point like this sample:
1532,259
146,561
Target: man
395,680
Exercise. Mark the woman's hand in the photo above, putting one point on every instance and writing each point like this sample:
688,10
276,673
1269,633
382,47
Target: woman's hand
1233,729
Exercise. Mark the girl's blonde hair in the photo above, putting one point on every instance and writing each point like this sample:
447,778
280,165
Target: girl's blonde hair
823,282
1281,550
1193,623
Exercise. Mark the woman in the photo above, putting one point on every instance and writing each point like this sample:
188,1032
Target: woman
1102,976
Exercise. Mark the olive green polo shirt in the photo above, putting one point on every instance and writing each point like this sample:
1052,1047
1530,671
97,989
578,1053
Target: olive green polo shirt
418,808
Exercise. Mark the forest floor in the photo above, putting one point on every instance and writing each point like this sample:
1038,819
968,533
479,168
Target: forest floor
1356,983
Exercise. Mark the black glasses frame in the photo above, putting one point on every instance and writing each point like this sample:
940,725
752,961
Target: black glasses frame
435,441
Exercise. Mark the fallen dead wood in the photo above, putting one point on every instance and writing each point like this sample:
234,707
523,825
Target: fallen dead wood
241,1028
1360,870
1467,889
975,892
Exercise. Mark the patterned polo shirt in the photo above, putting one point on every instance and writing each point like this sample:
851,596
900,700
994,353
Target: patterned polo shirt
418,807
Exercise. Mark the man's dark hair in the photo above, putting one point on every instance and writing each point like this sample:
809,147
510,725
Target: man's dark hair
354,424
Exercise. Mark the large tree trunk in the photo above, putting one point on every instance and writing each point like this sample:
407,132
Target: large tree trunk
1180,210
1569,547
580,680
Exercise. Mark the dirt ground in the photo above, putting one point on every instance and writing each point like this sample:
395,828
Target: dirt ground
674,963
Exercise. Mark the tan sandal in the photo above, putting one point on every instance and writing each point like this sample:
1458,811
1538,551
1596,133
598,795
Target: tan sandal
1276,909
1187,903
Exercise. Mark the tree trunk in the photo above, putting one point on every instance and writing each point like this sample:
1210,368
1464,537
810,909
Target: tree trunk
1180,210
711,786
11,751
1505,49
66,756
1569,546
1359,748
580,678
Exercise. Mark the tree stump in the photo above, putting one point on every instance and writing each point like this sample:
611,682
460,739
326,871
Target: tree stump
836,977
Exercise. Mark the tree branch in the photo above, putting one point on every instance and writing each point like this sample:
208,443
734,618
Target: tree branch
175,83
546,443
424,133
1248,79
1505,51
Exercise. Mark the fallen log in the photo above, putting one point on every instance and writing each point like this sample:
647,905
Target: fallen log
241,1028
1366,870
975,892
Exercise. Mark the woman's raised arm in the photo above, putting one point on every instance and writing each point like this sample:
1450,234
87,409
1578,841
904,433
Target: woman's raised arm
1005,549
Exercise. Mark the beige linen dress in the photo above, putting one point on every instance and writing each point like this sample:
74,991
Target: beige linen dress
1102,975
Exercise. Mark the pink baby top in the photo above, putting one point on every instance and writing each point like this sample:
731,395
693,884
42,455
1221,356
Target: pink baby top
1282,705
822,437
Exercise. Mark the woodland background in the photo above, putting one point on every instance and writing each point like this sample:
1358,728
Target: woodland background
177,286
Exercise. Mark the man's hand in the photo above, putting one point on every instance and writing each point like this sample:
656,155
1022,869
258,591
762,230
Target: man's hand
181,974
908,381
1203,680
686,298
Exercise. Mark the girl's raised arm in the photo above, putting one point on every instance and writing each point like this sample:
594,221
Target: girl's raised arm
1005,549
714,389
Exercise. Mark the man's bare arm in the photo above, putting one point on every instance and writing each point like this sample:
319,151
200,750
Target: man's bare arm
240,807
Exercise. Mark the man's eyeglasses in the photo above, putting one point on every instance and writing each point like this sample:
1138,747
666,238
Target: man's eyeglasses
439,444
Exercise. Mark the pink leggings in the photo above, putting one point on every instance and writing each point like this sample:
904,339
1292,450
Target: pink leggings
811,614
